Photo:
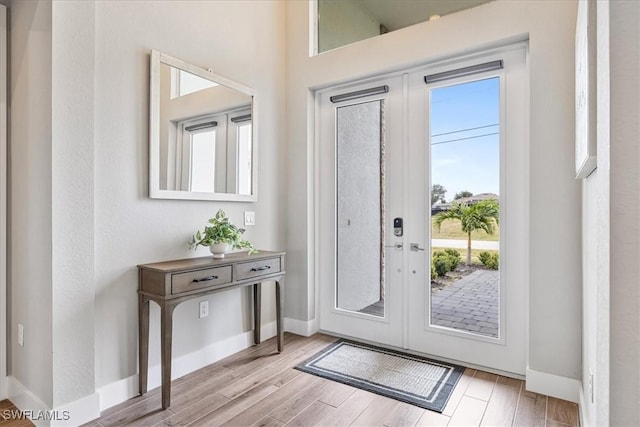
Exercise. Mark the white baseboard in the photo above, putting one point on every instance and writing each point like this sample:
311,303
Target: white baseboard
25,400
306,328
117,392
4,388
73,414
126,388
79,412
553,385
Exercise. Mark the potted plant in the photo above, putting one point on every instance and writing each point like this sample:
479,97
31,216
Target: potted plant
221,236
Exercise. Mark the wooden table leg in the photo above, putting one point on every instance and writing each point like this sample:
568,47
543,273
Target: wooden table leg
143,342
279,315
166,335
257,297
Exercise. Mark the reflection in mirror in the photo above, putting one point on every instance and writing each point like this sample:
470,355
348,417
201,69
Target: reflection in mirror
342,22
201,138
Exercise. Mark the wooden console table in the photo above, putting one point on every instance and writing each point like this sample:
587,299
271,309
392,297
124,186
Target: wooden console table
172,282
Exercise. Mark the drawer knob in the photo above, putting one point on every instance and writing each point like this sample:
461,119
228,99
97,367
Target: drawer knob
205,279
266,267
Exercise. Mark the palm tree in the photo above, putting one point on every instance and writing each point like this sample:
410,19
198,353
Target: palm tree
483,215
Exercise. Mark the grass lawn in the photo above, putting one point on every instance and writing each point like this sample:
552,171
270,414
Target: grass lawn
451,230
463,254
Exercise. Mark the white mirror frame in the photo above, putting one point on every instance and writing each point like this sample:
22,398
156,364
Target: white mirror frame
158,58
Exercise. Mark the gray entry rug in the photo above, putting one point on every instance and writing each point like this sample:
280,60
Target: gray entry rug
408,378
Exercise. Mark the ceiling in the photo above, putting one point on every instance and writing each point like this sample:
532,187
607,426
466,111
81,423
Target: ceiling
396,14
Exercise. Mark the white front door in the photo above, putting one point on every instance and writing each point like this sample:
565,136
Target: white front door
461,126
474,144
360,159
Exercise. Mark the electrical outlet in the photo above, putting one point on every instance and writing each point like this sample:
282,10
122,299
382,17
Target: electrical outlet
592,391
204,309
20,334
249,218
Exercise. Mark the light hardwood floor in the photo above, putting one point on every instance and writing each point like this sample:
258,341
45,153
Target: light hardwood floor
258,387
9,416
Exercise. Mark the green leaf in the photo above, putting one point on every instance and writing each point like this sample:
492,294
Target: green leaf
221,230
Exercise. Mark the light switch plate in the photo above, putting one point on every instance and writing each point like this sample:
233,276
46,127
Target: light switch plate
249,218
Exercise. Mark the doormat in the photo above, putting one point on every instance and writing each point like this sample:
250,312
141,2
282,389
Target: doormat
405,377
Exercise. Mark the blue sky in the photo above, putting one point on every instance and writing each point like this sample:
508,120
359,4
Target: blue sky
471,164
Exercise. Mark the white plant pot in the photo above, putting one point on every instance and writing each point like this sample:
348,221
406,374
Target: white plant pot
219,249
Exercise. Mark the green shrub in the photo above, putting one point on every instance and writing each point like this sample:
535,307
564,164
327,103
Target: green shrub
434,273
441,265
446,261
489,259
454,256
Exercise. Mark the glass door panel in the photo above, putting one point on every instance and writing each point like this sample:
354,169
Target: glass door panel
360,208
465,207
359,180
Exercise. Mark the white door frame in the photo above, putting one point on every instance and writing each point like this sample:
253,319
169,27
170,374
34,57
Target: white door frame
3,202
315,217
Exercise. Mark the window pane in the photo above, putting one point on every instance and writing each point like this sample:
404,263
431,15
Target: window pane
244,158
465,198
190,83
203,161
359,208
342,22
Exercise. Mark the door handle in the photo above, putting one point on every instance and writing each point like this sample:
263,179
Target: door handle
415,247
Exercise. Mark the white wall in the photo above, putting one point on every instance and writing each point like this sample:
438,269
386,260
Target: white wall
596,246
51,215
602,314
3,199
555,233
30,197
590,241
243,41
624,197
343,22
80,215
611,235
72,218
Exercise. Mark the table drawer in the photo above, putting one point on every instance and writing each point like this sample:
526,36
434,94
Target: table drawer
263,267
198,279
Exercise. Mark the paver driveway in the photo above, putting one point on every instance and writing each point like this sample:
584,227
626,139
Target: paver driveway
470,304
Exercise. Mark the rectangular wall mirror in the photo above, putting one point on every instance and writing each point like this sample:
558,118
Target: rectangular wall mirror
202,139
